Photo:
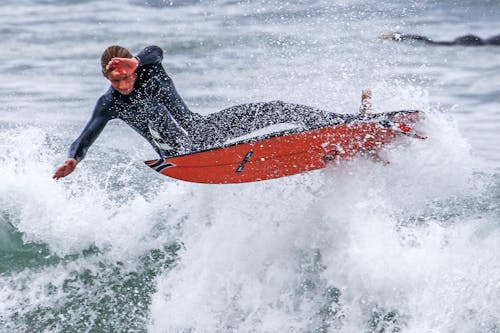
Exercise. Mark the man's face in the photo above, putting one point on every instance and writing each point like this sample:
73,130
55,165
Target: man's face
121,82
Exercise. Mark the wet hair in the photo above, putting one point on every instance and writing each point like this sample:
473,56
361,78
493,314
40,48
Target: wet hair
113,51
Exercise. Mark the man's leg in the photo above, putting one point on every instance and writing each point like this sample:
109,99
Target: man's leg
246,118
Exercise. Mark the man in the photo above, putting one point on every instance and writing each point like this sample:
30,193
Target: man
466,40
144,96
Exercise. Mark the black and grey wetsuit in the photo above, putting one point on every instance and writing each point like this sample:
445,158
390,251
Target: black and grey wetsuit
156,111
466,40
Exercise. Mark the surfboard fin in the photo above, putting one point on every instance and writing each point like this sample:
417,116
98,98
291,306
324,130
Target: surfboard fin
366,102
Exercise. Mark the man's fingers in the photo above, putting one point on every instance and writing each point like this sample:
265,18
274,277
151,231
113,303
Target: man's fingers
111,65
121,62
57,175
60,172
115,62
65,169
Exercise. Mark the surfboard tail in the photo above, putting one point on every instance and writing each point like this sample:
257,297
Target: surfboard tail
403,121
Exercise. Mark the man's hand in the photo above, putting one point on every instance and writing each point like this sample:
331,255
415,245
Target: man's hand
65,169
126,66
390,36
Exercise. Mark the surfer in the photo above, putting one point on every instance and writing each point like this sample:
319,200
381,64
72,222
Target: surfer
466,40
143,95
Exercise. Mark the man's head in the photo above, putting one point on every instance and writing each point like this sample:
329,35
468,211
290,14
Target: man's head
113,51
120,80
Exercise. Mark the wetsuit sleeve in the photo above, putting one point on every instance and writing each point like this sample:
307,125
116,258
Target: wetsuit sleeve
410,37
401,37
94,127
150,55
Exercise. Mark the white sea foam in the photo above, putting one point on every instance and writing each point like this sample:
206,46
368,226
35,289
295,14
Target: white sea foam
73,214
356,247
271,250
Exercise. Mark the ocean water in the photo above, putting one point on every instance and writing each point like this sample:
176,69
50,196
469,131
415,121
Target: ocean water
413,246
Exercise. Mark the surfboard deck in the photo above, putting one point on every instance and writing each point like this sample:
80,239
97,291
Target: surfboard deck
287,153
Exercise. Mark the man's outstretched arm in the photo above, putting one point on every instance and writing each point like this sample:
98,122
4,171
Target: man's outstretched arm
398,36
79,148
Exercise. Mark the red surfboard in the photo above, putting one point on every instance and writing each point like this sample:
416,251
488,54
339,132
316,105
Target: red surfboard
288,153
